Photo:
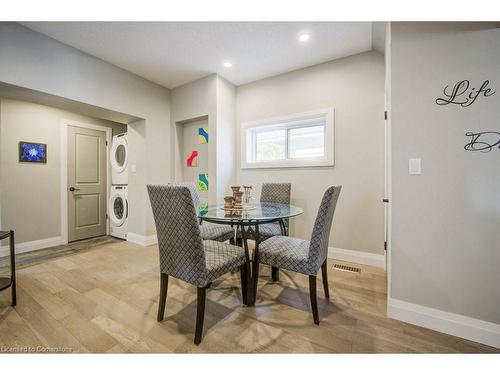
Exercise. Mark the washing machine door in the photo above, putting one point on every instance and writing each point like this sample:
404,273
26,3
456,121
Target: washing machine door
118,208
119,153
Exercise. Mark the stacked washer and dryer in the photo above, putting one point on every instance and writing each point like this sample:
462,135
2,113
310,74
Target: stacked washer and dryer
118,202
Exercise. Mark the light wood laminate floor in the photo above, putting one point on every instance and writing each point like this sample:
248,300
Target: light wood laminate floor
105,301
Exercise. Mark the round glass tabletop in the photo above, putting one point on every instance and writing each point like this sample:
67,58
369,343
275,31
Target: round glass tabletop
257,212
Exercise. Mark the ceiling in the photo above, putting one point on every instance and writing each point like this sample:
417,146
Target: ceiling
174,53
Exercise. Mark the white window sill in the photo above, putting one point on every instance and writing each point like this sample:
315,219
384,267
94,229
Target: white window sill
289,164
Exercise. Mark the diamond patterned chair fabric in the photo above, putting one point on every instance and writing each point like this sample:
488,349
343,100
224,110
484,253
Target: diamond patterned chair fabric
272,192
183,252
209,231
300,255
216,232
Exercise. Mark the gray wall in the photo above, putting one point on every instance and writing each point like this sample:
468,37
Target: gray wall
354,86
21,184
35,61
445,233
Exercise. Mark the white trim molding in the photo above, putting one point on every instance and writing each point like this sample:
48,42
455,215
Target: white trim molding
24,247
139,239
354,256
442,321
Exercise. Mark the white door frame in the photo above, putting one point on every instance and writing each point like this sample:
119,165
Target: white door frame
64,171
388,158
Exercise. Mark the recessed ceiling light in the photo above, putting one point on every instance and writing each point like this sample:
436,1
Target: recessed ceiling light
304,37
228,64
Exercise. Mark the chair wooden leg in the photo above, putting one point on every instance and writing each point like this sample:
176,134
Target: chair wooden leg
275,271
314,301
244,282
324,273
163,295
200,315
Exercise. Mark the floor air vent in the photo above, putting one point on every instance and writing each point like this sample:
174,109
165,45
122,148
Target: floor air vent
343,267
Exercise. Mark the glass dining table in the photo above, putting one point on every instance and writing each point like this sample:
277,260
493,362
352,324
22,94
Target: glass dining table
248,221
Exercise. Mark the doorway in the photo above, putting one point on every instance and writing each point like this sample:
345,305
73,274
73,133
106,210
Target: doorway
84,181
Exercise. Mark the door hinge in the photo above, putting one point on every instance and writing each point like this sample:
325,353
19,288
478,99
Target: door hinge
385,245
106,216
106,143
385,115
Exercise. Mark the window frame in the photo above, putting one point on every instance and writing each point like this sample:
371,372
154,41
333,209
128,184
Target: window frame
328,160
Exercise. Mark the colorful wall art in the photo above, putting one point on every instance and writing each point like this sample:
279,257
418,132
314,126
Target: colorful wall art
203,207
192,159
202,135
32,152
203,182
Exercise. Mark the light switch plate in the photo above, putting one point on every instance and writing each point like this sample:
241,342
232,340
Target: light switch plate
133,168
415,166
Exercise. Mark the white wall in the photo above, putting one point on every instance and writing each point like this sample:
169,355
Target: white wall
211,97
191,101
445,252
137,154
34,61
188,141
226,137
354,86
23,184
379,33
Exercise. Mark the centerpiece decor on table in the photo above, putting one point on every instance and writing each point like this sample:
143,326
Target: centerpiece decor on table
237,203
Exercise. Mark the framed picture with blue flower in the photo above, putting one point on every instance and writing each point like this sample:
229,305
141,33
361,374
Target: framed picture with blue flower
30,152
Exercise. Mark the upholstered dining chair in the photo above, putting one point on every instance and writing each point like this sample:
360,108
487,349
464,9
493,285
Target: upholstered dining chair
304,256
184,254
272,192
210,231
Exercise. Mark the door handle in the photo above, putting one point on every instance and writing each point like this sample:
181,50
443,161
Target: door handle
73,188
385,200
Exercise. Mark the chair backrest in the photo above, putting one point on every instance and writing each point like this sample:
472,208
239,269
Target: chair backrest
318,249
179,239
194,192
276,192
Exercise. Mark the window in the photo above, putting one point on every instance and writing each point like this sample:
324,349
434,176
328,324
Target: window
299,140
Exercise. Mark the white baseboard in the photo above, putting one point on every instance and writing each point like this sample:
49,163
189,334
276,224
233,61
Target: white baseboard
354,256
24,247
139,239
453,324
